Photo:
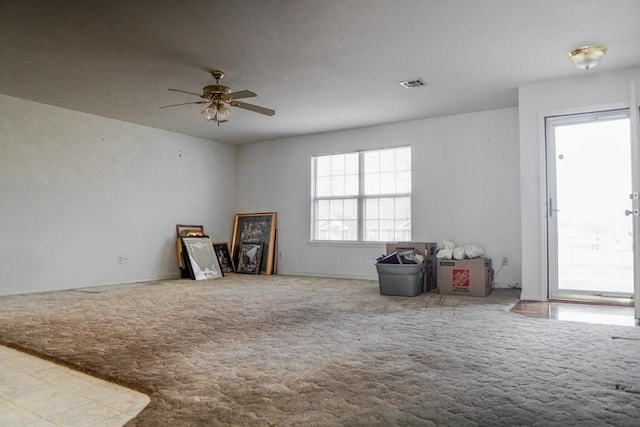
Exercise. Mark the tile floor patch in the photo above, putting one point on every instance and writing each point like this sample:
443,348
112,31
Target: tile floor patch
37,392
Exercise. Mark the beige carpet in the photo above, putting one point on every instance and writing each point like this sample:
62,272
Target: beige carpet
278,350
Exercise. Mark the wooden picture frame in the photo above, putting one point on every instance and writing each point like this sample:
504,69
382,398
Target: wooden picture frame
249,258
181,229
225,260
256,228
203,263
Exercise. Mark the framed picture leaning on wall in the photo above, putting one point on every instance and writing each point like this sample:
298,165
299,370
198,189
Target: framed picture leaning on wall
224,256
249,256
203,263
256,228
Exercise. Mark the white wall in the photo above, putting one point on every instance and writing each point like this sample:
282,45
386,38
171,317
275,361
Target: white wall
77,190
465,188
589,91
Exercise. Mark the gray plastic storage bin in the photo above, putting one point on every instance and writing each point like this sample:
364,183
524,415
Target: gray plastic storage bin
401,279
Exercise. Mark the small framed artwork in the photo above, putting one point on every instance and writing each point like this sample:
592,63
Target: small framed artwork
254,228
224,256
249,256
203,263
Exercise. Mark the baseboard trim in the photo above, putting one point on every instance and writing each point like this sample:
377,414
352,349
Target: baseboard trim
531,297
506,285
329,276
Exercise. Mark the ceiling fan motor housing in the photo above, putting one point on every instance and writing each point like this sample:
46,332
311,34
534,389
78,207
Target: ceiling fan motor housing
216,93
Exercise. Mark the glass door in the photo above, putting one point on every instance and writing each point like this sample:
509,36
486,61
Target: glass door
635,209
589,210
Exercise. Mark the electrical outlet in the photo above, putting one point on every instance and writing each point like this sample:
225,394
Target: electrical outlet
505,260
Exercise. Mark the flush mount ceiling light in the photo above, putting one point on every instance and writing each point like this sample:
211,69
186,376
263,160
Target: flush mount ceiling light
587,57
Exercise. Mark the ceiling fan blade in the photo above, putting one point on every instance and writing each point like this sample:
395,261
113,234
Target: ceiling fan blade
242,94
186,91
184,103
254,108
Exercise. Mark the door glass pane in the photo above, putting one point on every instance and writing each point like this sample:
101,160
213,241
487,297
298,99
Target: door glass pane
593,178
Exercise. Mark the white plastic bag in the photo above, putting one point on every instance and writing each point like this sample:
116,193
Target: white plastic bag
458,252
446,244
444,254
473,251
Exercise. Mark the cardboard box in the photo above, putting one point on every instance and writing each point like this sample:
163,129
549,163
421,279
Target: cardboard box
428,249
401,279
470,277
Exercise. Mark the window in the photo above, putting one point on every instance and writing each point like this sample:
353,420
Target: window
362,196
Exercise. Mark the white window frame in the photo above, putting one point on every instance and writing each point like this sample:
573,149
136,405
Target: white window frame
361,198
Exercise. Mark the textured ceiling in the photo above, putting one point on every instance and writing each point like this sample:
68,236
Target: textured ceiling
322,65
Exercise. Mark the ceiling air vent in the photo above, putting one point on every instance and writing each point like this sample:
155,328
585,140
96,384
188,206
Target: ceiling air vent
413,83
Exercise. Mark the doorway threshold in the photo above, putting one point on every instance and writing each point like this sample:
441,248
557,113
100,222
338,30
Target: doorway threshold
592,299
574,311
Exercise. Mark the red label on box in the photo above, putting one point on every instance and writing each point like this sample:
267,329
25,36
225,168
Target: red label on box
460,278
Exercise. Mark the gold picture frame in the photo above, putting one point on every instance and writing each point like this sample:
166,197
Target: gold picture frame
256,228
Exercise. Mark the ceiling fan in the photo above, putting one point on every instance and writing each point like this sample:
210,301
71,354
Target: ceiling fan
220,99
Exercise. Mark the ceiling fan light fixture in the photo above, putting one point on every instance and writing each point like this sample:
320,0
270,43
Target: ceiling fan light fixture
587,57
220,99
217,111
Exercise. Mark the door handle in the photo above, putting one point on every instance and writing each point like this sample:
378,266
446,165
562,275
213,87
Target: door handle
551,210
633,212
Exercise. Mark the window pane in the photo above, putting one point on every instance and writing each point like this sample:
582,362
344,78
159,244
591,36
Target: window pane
403,182
342,222
322,230
351,209
387,160
335,230
351,185
371,161
323,166
387,183
401,224
371,209
387,230
371,230
372,183
403,208
337,185
322,211
337,164
351,230
403,159
351,163
323,187
336,209
387,208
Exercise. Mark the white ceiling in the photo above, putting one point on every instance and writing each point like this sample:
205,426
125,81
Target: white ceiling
323,65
